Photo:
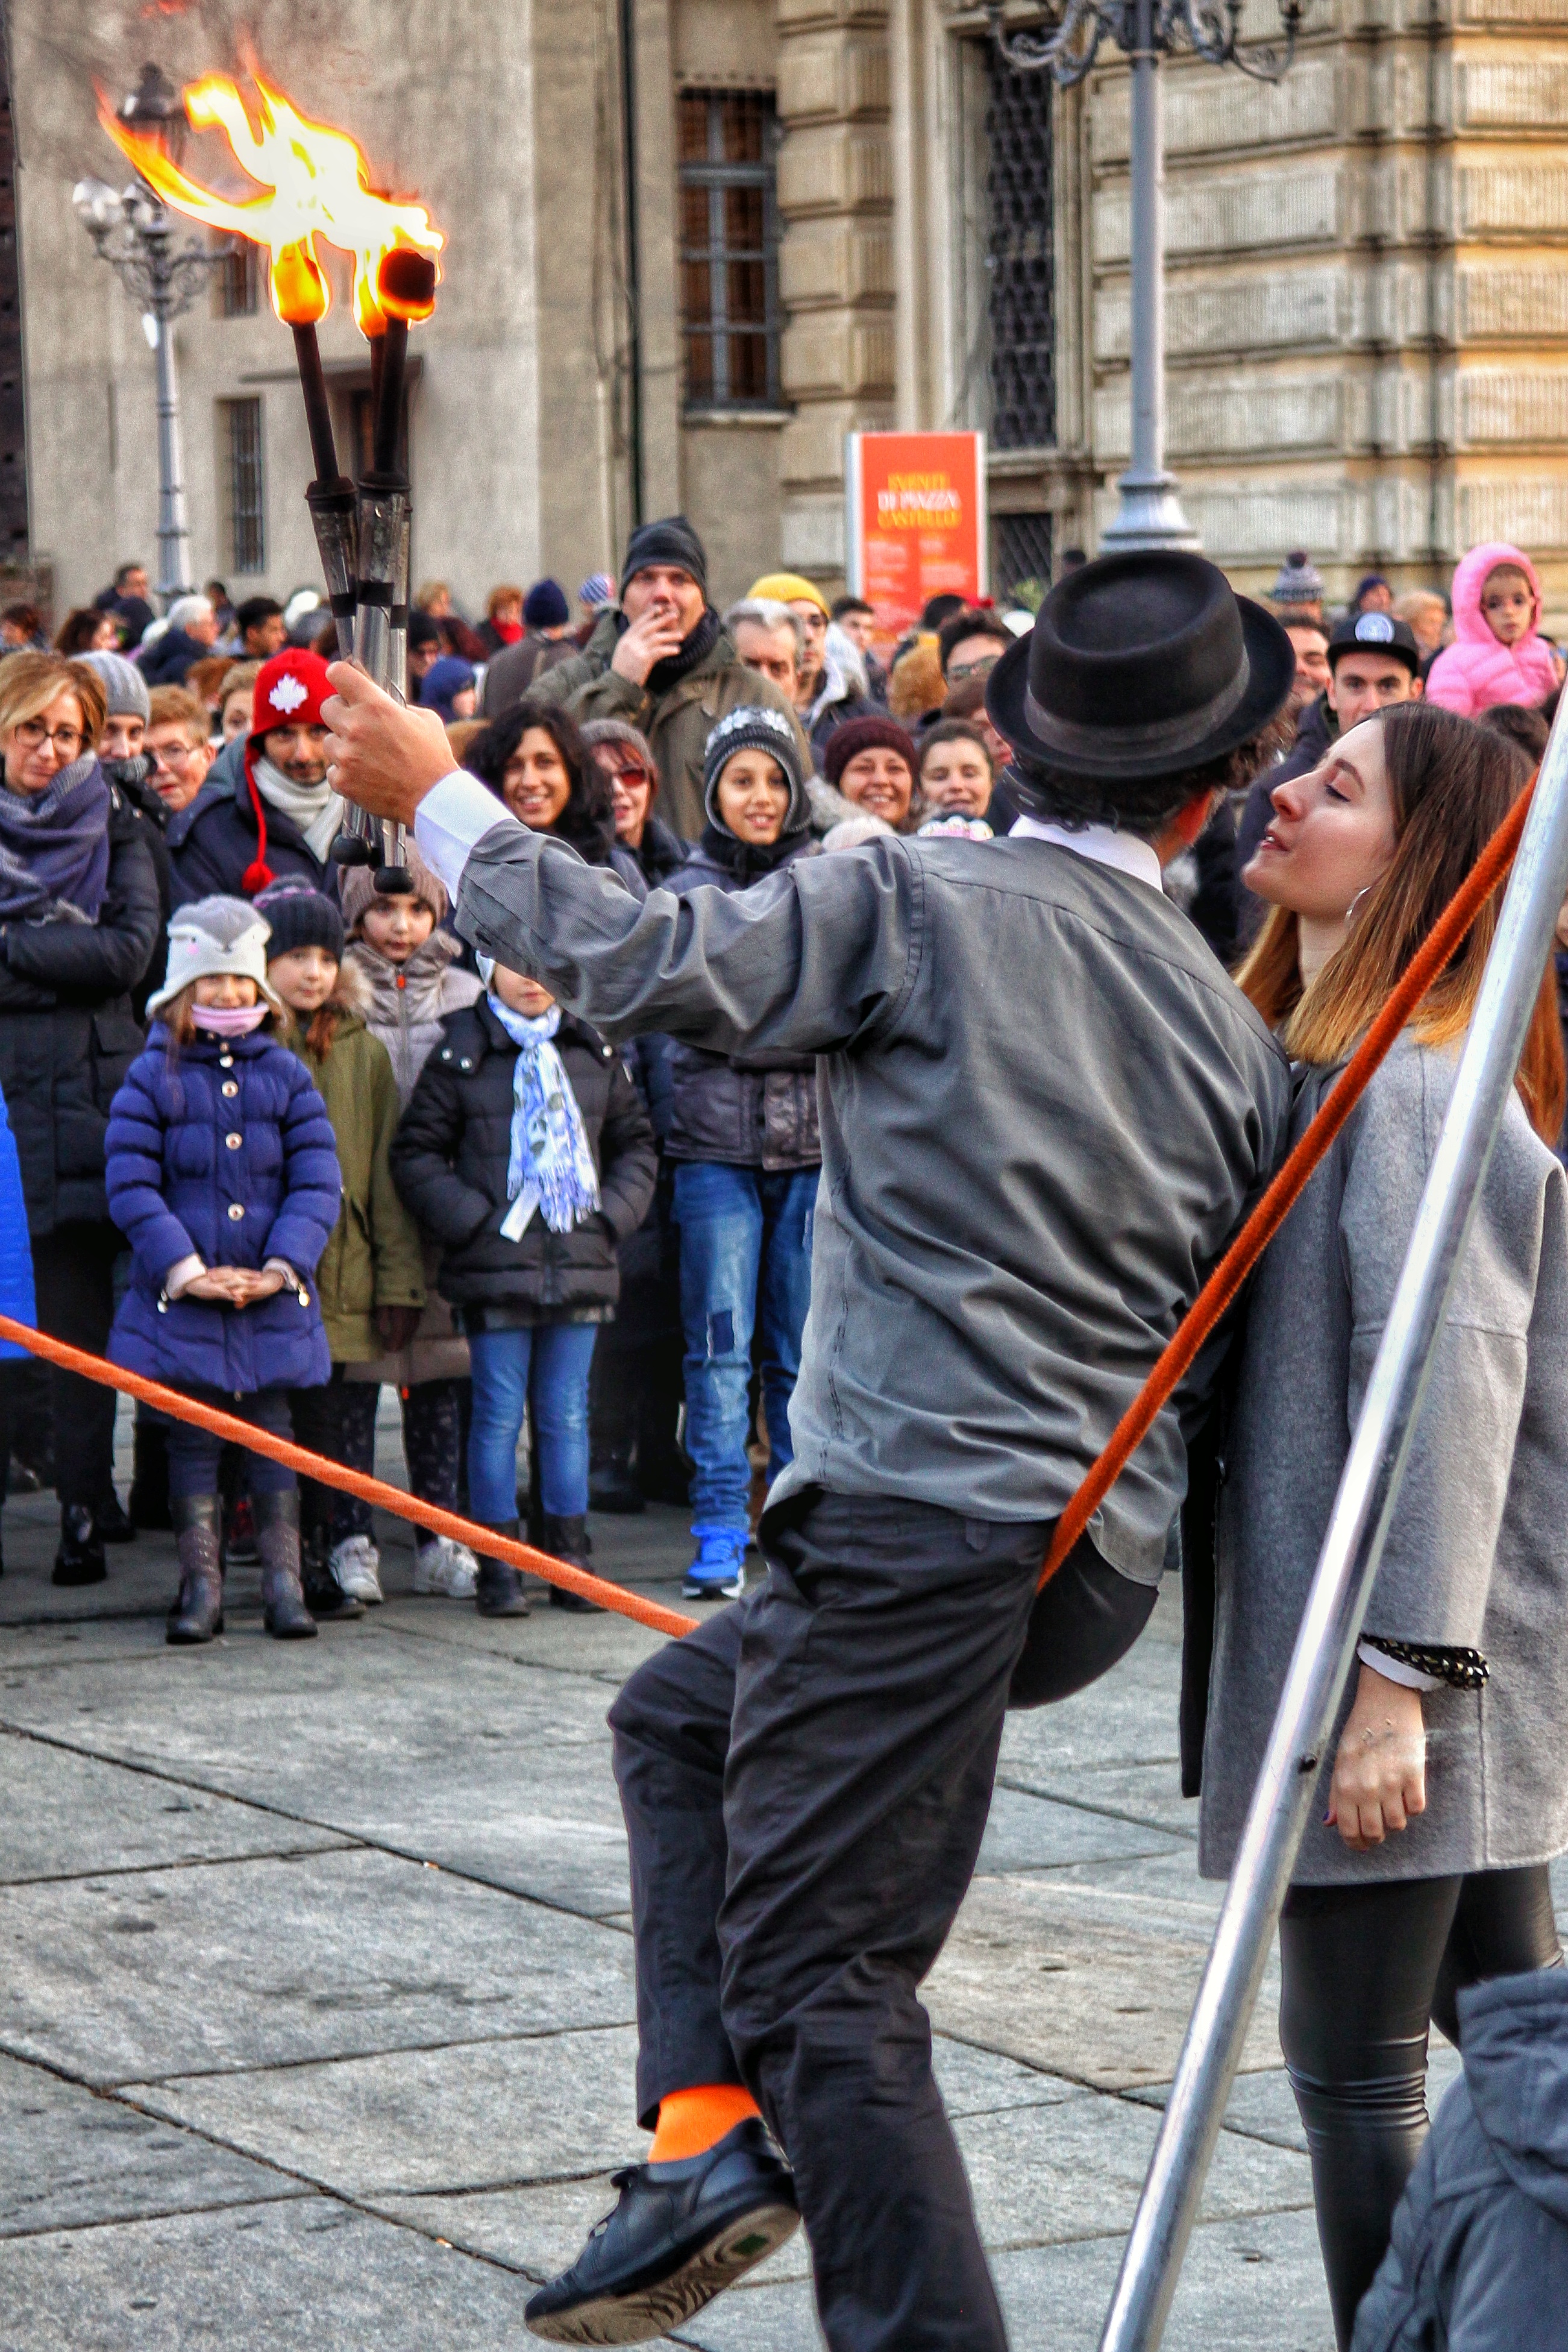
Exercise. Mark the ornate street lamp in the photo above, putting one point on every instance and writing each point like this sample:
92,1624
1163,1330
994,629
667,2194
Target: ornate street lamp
1149,513
133,231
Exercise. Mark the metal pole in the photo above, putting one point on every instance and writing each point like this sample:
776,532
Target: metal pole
1346,1568
1149,513
174,531
628,19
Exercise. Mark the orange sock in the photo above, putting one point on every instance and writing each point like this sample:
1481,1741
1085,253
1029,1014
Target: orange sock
691,2122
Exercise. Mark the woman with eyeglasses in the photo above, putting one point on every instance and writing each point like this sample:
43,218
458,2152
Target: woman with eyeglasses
79,924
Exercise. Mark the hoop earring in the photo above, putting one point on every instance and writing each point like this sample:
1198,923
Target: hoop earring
1350,910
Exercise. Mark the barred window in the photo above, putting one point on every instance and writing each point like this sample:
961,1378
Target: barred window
238,283
246,485
729,249
1019,260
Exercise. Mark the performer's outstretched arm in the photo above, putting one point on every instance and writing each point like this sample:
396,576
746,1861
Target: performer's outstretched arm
823,955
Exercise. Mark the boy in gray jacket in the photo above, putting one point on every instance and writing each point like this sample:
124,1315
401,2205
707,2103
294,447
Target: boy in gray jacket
1044,1110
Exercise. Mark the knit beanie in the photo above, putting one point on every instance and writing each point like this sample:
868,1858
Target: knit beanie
671,540
1299,581
867,735
211,938
596,591
289,691
545,606
789,588
357,888
300,918
755,728
595,731
125,689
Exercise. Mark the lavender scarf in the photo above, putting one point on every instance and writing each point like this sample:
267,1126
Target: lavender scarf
54,847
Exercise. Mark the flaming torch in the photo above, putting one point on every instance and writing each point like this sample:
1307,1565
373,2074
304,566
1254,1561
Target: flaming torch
316,184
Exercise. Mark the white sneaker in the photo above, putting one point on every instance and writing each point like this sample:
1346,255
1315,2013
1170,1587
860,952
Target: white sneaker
447,1567
355,1564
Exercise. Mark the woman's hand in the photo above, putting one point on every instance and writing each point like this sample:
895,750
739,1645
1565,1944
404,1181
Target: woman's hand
1380,1771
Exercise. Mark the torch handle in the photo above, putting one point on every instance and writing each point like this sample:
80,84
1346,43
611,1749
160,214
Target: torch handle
318,408
383,544
389,395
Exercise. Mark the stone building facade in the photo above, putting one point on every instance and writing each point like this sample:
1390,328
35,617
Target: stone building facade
844,214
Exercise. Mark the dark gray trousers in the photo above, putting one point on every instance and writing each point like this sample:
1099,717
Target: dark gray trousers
805,1782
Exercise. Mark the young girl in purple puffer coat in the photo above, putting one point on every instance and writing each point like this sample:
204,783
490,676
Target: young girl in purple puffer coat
223,1175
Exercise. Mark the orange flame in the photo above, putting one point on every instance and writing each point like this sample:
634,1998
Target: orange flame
317,185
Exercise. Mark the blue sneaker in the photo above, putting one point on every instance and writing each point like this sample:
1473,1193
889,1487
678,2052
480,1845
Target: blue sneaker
718,1571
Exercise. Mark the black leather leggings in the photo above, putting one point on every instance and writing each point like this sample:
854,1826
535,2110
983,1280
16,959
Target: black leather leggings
1366,1969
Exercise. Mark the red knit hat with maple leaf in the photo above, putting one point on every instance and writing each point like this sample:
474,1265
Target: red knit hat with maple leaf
289,691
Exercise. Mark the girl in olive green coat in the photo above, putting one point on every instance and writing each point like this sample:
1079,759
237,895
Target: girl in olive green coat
370,1280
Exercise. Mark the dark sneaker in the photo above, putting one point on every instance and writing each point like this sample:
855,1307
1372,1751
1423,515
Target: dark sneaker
680,2235
79,1560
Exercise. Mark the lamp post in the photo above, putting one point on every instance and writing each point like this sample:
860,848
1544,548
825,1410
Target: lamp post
1149,513
132,231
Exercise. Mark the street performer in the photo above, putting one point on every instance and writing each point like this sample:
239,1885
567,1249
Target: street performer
1044,1111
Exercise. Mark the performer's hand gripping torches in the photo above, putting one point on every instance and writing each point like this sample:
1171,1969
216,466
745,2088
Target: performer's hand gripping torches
317,185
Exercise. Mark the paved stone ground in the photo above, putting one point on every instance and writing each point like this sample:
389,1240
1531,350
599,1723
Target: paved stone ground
315,1984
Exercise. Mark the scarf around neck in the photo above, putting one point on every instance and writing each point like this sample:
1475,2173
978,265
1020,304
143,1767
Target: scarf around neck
746,860
550,1167
694,649
316,810
54,847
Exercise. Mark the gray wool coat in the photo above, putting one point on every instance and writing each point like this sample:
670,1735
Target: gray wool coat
1044,1110
1477,1553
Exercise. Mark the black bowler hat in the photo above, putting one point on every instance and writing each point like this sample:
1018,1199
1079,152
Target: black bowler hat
1141,665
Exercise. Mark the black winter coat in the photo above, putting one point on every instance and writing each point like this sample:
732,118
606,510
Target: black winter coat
213,841
126,775
449,1160
743,1110
170,660
68,1034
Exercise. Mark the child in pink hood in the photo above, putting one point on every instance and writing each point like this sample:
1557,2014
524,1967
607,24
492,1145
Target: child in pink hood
1497,656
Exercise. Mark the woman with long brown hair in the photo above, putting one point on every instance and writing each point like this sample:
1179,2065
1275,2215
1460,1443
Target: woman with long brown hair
1424,1868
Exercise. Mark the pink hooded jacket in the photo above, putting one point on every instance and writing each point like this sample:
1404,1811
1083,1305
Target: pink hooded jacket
1476,671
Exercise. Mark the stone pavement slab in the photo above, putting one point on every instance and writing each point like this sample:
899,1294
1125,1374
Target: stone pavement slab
276,1963
476,2115
71,1813
270,2278
69,2161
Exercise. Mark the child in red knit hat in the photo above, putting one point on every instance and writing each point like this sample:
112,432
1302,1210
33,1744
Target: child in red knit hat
268,811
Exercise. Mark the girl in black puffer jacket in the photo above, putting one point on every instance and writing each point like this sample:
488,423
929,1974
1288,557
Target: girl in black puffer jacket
526,1152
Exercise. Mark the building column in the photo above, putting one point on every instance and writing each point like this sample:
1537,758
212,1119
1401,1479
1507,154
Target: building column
835,260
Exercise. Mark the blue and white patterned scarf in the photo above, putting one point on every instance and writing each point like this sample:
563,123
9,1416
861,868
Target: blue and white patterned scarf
551,1168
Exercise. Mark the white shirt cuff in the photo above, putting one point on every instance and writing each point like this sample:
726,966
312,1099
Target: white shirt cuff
1395,1670
452,816
181,1274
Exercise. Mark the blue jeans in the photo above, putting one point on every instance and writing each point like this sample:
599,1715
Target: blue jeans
550,1362
745,1258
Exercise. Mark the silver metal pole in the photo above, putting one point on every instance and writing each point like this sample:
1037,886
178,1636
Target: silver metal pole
1342,1584
174,531
1149,513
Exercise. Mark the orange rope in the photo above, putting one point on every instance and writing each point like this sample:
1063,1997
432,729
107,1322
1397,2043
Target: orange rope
1200,1321
352,1482
1217,1291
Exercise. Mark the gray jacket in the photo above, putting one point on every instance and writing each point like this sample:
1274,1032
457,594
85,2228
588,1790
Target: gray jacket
1479,2261
1477,1553
1043,1108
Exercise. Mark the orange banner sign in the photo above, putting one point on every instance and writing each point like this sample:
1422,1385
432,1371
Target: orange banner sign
916,521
